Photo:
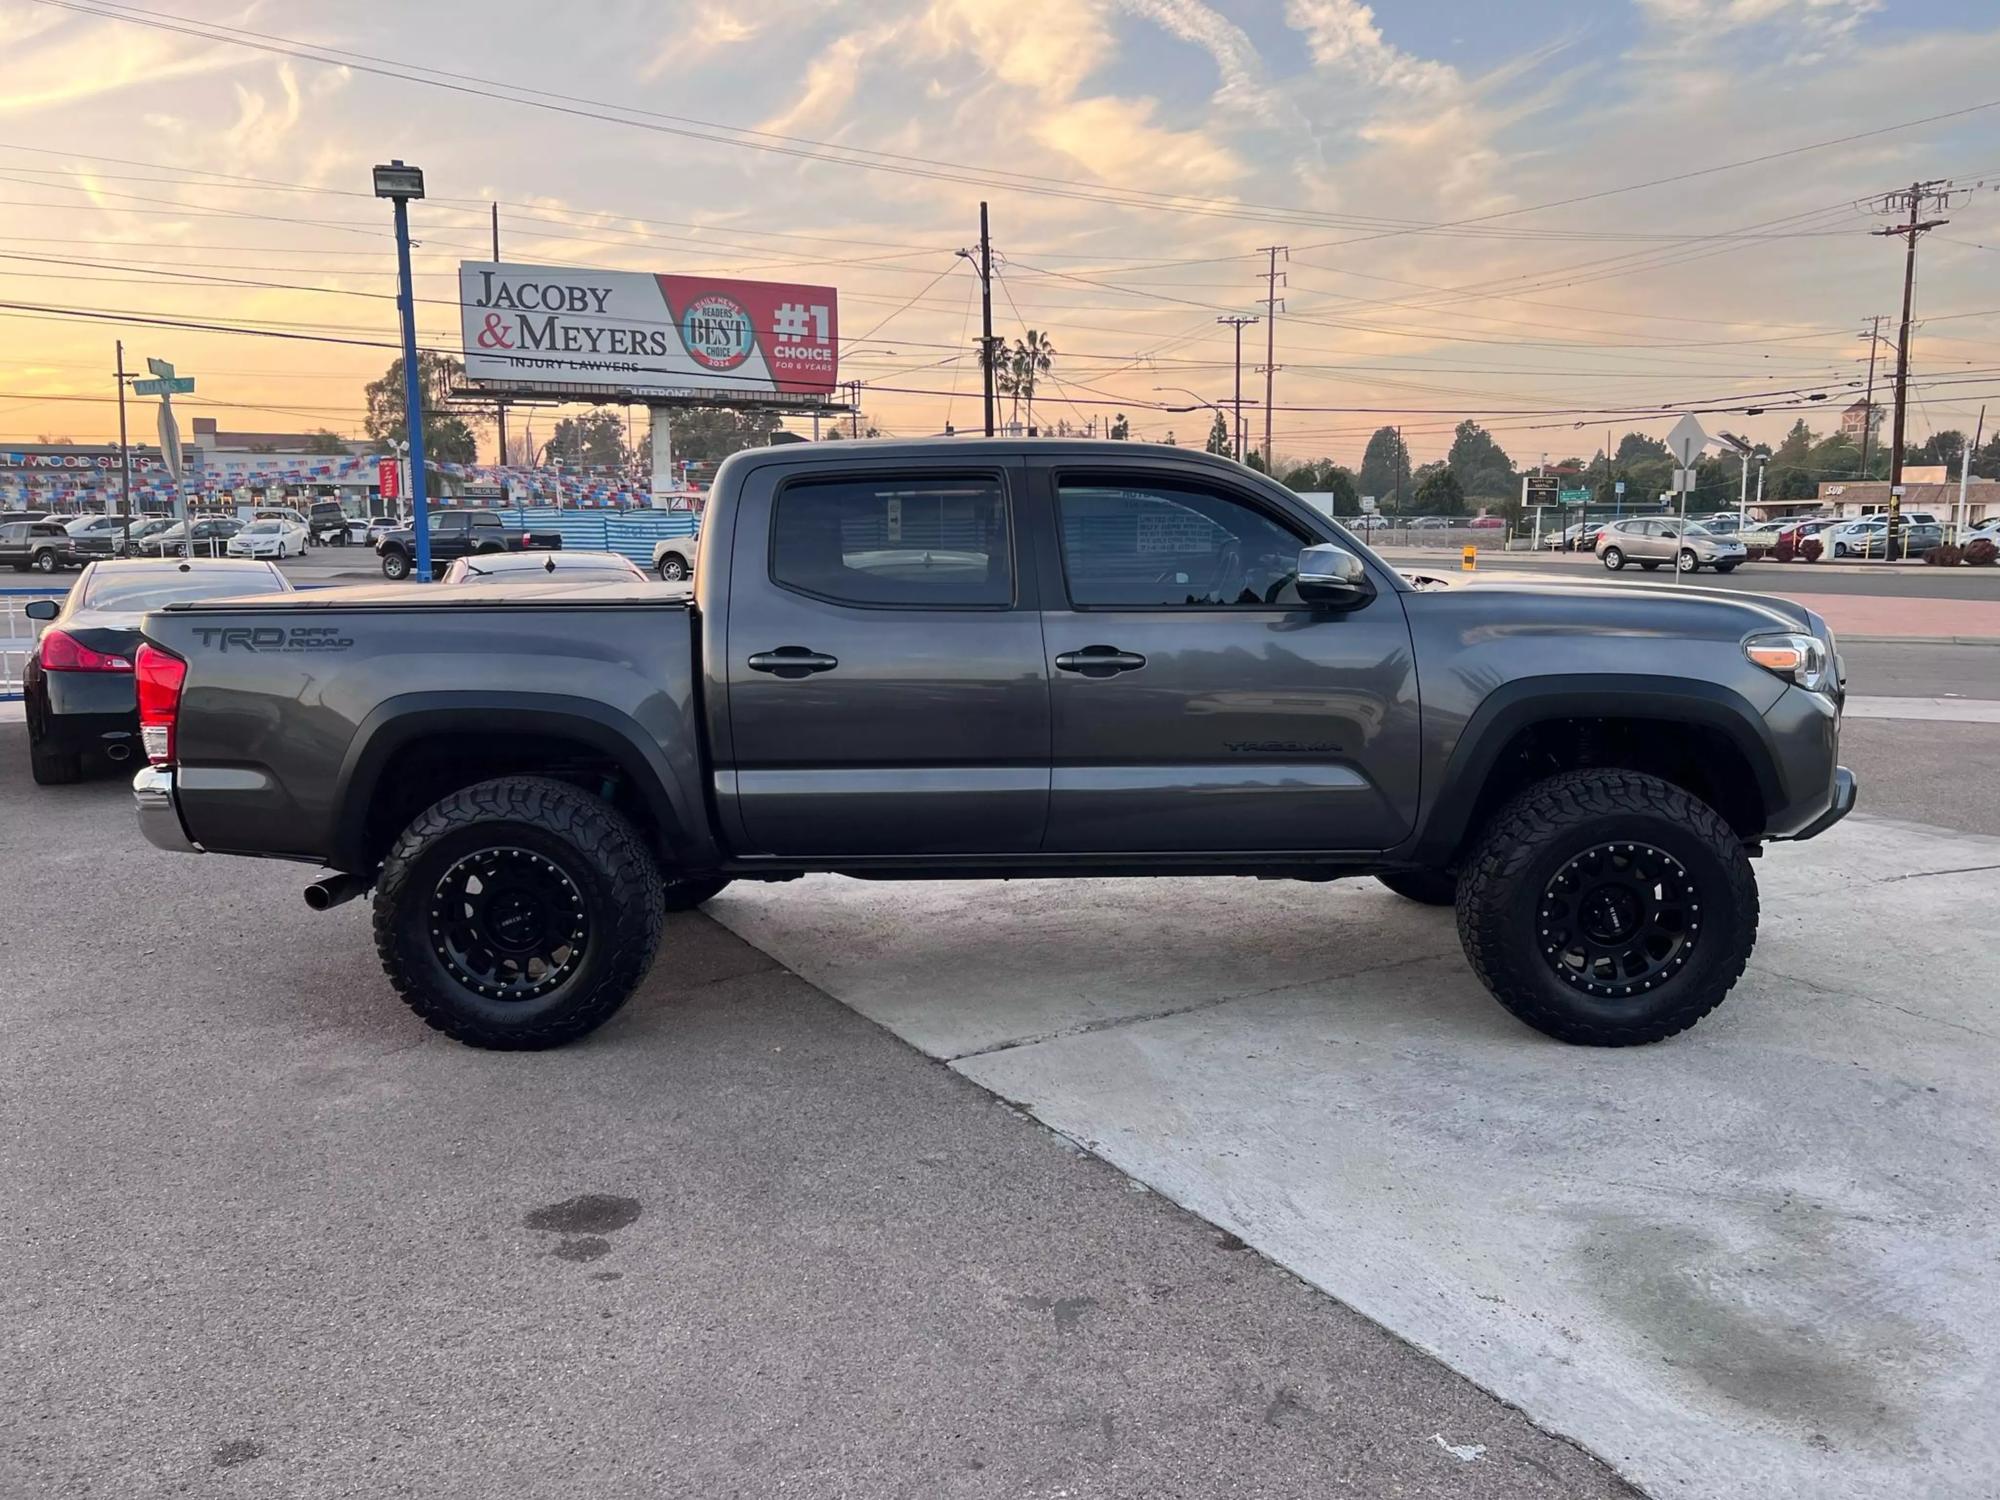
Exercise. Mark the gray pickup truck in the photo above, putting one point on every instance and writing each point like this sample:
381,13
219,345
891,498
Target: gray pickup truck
979,659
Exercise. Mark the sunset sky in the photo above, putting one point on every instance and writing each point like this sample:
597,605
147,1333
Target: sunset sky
1461,188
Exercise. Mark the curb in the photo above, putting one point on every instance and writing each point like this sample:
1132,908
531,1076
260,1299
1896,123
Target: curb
1915,640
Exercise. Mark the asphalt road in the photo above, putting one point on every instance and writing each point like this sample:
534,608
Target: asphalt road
267,1236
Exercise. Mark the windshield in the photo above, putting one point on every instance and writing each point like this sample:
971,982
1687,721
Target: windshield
1695,528
128,592
261,528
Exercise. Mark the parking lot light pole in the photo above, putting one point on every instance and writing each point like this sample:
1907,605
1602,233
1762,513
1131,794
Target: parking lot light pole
400,184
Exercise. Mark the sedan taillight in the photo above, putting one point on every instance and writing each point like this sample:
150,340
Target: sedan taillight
160,675
63,652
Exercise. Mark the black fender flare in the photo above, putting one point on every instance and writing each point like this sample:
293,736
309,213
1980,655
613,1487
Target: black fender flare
401,721
1519,705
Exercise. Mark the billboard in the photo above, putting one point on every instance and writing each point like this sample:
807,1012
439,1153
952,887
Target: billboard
614,335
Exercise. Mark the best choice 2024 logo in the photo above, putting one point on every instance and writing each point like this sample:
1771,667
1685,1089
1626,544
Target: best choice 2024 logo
718,331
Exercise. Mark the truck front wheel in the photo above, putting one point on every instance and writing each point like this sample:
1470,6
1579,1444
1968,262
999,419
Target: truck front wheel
395,566
518,914
1608,908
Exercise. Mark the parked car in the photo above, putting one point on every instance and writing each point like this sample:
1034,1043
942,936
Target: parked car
1487,523
42,545
1428,523
1581,536
269,538
210,536
8,517
1912,540
329,526
673,559
96,536
1986,531
150,526
963,658
1652,540
456,534
545,567
1368,520
77,686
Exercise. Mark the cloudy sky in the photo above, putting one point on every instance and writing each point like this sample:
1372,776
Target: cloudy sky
1463,189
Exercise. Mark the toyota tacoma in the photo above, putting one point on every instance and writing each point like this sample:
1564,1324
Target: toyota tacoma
982,659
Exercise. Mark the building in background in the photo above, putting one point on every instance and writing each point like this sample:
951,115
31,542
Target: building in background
1859,418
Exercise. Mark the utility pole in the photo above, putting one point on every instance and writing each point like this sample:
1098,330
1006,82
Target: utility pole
499,404
987,358
1868,401
854,386
1965,475
124,455
1938,193
1238,323
1402,457
1272,302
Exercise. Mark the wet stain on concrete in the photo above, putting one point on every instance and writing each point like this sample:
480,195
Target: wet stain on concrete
588,1213
583,1247
1782,1324
1065,1312
236,1451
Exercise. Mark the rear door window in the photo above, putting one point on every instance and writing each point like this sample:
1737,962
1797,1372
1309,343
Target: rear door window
1145,545
915,541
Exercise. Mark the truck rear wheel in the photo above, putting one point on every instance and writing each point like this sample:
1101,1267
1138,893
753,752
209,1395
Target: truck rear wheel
518,914
1608,908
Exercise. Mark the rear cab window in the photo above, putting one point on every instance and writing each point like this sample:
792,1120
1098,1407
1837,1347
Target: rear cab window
914,541
1136,543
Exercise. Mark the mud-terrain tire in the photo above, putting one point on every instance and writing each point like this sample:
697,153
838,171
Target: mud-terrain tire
1573,860
686,895
1425,887
484,885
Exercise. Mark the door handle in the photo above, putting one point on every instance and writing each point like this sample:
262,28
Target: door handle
793,661
1100,661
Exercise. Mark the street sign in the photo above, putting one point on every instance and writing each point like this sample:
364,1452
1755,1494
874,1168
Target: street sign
1686,441
170,442
1683,481
1573,497
160,368
1368,505
389,478
1540,484
1619,488
164,387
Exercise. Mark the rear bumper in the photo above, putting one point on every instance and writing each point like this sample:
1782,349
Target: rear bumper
159,818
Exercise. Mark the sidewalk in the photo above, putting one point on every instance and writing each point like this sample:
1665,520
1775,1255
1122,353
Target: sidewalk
1875,617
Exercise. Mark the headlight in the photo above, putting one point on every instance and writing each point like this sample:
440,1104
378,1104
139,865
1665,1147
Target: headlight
1800,659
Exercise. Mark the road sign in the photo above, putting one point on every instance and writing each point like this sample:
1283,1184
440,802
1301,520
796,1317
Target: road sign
1573,497
1686,441
1619,487
165,387
160,368
1540,484
1683,481
389,478
170,442
1368,505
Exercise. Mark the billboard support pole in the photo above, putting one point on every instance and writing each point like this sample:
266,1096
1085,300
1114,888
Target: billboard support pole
663,456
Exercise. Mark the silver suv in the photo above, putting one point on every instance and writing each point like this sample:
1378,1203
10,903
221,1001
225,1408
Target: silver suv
1652,540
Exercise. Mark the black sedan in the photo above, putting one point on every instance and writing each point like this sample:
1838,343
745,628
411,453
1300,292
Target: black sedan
78,688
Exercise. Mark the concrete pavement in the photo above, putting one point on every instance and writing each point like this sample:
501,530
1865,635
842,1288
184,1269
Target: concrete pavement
1748,1261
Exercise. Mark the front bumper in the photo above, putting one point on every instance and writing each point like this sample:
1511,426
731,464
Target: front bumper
159,818
1845,790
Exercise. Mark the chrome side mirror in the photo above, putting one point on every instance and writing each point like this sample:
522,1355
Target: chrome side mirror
1333,578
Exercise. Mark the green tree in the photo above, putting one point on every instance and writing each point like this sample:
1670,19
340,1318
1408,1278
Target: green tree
322,441
709,434
1440,494
1122,429
1481,465
448,435
1636,447
596,439
1325,477
1385,467
1034,356
1218,437
1796,449
1941,447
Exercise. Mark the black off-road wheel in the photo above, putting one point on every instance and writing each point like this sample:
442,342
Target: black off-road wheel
1608,908
518,914
1425,887
686,895
395,566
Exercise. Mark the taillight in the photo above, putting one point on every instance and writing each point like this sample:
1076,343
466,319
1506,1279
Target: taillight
63,652
160,675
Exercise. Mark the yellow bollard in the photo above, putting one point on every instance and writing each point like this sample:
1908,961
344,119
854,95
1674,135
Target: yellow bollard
1469,560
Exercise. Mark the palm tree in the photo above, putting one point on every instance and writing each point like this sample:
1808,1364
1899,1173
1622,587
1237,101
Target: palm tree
1034,356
